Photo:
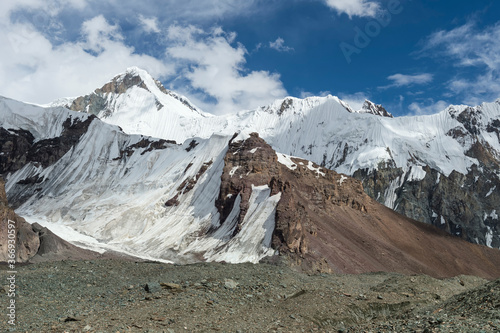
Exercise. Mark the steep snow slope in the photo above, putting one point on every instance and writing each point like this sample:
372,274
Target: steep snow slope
42,125
407,163
113,187
231,199
323,129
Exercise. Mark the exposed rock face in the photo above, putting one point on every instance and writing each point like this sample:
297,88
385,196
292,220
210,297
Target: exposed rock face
18,147
27,240
465,205
325,221
376,109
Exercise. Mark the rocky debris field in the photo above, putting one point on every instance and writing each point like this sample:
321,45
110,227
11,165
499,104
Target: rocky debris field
126,296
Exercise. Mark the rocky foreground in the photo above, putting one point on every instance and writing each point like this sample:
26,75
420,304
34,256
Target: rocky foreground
126,296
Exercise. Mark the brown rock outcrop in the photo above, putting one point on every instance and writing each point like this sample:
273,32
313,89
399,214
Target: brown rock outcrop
26,240
325,221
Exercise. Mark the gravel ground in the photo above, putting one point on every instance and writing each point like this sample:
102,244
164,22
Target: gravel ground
126,296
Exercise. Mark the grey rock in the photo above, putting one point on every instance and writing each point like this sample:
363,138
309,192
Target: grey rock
153,287
230,284
171,286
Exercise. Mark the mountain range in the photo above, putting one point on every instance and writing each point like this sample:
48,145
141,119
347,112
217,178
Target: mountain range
441,169
136,168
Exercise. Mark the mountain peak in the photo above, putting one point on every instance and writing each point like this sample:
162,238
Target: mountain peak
134,70
131,94
376,109
122,82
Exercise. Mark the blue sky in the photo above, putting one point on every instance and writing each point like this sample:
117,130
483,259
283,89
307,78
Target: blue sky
414,57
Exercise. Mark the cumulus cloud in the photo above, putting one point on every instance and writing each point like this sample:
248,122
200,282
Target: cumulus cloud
99,34
33,69
208,65
215,68
279,45
469,46
354,7
149,25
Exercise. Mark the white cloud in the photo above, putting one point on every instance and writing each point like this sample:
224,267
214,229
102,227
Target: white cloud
149,24
32,69
209,65
400,80
306,94
215,68
355,100
43,8
429,107
99,34
279,45
354,7
468,46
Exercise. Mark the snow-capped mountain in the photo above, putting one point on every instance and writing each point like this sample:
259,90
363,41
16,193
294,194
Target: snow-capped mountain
225,198
113,187
140,105
440,169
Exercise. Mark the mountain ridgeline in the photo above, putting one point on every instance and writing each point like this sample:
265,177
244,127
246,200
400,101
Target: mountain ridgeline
140,170
441,169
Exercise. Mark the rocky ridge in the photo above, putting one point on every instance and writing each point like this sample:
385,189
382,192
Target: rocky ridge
224,199
375,109
463,204
325,221
397,159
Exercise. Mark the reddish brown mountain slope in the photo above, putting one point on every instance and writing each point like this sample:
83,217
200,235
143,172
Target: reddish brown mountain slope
325,221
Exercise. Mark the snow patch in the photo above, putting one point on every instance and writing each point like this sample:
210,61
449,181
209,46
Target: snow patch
417,173
242,136
233,170
254,150
286,161
311,167
253,242
342,179
489,236
390,192
83,241
491,191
